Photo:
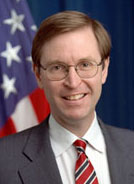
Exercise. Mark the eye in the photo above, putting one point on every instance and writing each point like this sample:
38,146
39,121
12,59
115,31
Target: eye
56,67
85,65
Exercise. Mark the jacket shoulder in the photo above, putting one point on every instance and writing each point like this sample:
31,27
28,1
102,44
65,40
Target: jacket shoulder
120,137
14,143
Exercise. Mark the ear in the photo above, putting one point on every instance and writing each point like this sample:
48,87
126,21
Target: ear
37,75
105,70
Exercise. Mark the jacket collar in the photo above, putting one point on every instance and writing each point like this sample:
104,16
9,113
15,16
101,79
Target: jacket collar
41,166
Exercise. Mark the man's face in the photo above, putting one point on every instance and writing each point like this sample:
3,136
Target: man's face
72,99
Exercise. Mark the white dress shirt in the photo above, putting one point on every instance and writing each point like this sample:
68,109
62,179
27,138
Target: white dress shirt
66,155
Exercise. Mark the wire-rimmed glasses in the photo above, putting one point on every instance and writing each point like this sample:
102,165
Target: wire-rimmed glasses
59,70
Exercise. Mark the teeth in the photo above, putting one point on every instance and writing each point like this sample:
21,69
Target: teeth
75,97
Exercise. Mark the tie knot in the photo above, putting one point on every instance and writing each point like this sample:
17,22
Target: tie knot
80,145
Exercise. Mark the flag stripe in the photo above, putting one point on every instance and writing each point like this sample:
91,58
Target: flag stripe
8,128
40,104
24,116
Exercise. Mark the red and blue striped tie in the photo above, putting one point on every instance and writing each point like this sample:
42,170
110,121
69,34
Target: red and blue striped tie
84,171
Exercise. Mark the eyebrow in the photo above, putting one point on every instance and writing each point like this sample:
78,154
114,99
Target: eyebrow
81,59
87,59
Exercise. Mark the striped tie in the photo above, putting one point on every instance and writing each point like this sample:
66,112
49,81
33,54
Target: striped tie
84,171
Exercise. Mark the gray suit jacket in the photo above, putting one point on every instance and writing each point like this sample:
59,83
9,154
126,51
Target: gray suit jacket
27,157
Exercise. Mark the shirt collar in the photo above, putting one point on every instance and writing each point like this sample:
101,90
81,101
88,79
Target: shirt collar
62,139
95,137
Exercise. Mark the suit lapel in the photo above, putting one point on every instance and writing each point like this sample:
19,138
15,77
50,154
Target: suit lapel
118,157
41,165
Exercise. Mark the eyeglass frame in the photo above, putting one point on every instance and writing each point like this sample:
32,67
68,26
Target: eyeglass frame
75,67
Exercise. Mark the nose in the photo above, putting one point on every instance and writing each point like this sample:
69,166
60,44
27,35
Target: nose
72,80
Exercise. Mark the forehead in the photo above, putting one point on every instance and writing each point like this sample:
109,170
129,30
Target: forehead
71,46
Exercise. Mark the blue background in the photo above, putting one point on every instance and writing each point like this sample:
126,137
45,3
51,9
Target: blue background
117,16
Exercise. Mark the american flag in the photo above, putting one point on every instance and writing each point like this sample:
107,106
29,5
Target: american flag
22,103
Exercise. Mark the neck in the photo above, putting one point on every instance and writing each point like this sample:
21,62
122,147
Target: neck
77,127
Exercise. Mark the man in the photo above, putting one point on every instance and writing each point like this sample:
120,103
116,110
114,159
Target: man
70,59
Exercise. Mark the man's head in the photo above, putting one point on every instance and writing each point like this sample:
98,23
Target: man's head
69,21
71,58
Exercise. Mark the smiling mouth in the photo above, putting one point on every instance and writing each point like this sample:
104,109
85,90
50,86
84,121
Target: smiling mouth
75,97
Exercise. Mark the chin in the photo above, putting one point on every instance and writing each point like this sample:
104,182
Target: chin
76,116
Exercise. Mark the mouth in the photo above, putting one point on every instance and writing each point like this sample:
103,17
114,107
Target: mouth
75,97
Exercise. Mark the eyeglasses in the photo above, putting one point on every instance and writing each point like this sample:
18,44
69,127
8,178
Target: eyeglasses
58,71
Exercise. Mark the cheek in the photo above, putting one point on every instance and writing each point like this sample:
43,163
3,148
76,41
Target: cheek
47,89
51,90
96,87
